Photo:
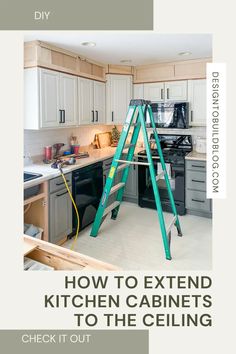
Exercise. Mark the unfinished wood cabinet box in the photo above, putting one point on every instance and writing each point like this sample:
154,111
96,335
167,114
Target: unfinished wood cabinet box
91,70
188,69
62,258
37,53
191,69
153,73
36,209
119,69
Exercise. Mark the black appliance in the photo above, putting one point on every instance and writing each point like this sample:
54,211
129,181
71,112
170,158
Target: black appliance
171,114
87,187
174,148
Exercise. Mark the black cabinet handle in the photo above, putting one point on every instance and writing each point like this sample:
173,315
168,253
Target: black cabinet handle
162,92
92,116
60,119
191,116
59,184
96,116
168,93
64,116
196,180
198,201
112,116
198,166
59,195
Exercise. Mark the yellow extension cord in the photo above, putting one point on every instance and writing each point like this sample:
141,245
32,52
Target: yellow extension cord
75,207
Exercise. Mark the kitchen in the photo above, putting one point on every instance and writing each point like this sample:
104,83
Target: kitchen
77,93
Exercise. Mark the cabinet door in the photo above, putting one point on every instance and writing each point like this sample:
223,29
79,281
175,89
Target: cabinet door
131,186
86,111
138,91
197,101
119,93
99,102
60,216
49,99
68,102
154,92
176,91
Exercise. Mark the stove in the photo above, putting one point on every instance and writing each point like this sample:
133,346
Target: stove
174,148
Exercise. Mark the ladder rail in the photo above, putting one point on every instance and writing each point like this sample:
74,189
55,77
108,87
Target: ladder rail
128,160
112,172
155,189
163,165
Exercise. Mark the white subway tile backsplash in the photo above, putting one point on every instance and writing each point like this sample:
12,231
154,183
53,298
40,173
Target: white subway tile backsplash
35,140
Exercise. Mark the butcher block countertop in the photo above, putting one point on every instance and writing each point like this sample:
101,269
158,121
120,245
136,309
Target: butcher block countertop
61,258
193,155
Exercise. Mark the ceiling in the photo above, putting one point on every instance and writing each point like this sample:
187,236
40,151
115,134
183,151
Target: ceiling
140,47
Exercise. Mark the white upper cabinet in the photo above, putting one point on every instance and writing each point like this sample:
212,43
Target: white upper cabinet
138,91
118,94
86,112
99,102
154,92
162,91
197,102
176,91
50,99
68,91
91,101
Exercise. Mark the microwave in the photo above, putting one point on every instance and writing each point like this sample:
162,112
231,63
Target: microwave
173,115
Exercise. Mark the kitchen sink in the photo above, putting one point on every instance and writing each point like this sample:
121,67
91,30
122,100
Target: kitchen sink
28,176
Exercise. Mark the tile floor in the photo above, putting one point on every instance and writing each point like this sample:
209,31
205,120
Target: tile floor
133,241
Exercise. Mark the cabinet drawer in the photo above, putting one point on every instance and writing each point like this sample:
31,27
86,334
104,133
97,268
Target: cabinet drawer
196,180
196,165
196,200
57,183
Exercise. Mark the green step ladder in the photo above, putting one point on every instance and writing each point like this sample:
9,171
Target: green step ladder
138,111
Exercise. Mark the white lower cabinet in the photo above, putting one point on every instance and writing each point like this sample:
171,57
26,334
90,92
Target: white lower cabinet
197,102
118,95
50,99
91,101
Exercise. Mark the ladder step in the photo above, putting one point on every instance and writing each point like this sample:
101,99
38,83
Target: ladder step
116,187
134,124
133,163
111,207
128,146
171,225
121,167
160,175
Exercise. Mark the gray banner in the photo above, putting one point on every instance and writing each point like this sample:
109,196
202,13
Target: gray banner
74,341
76,15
